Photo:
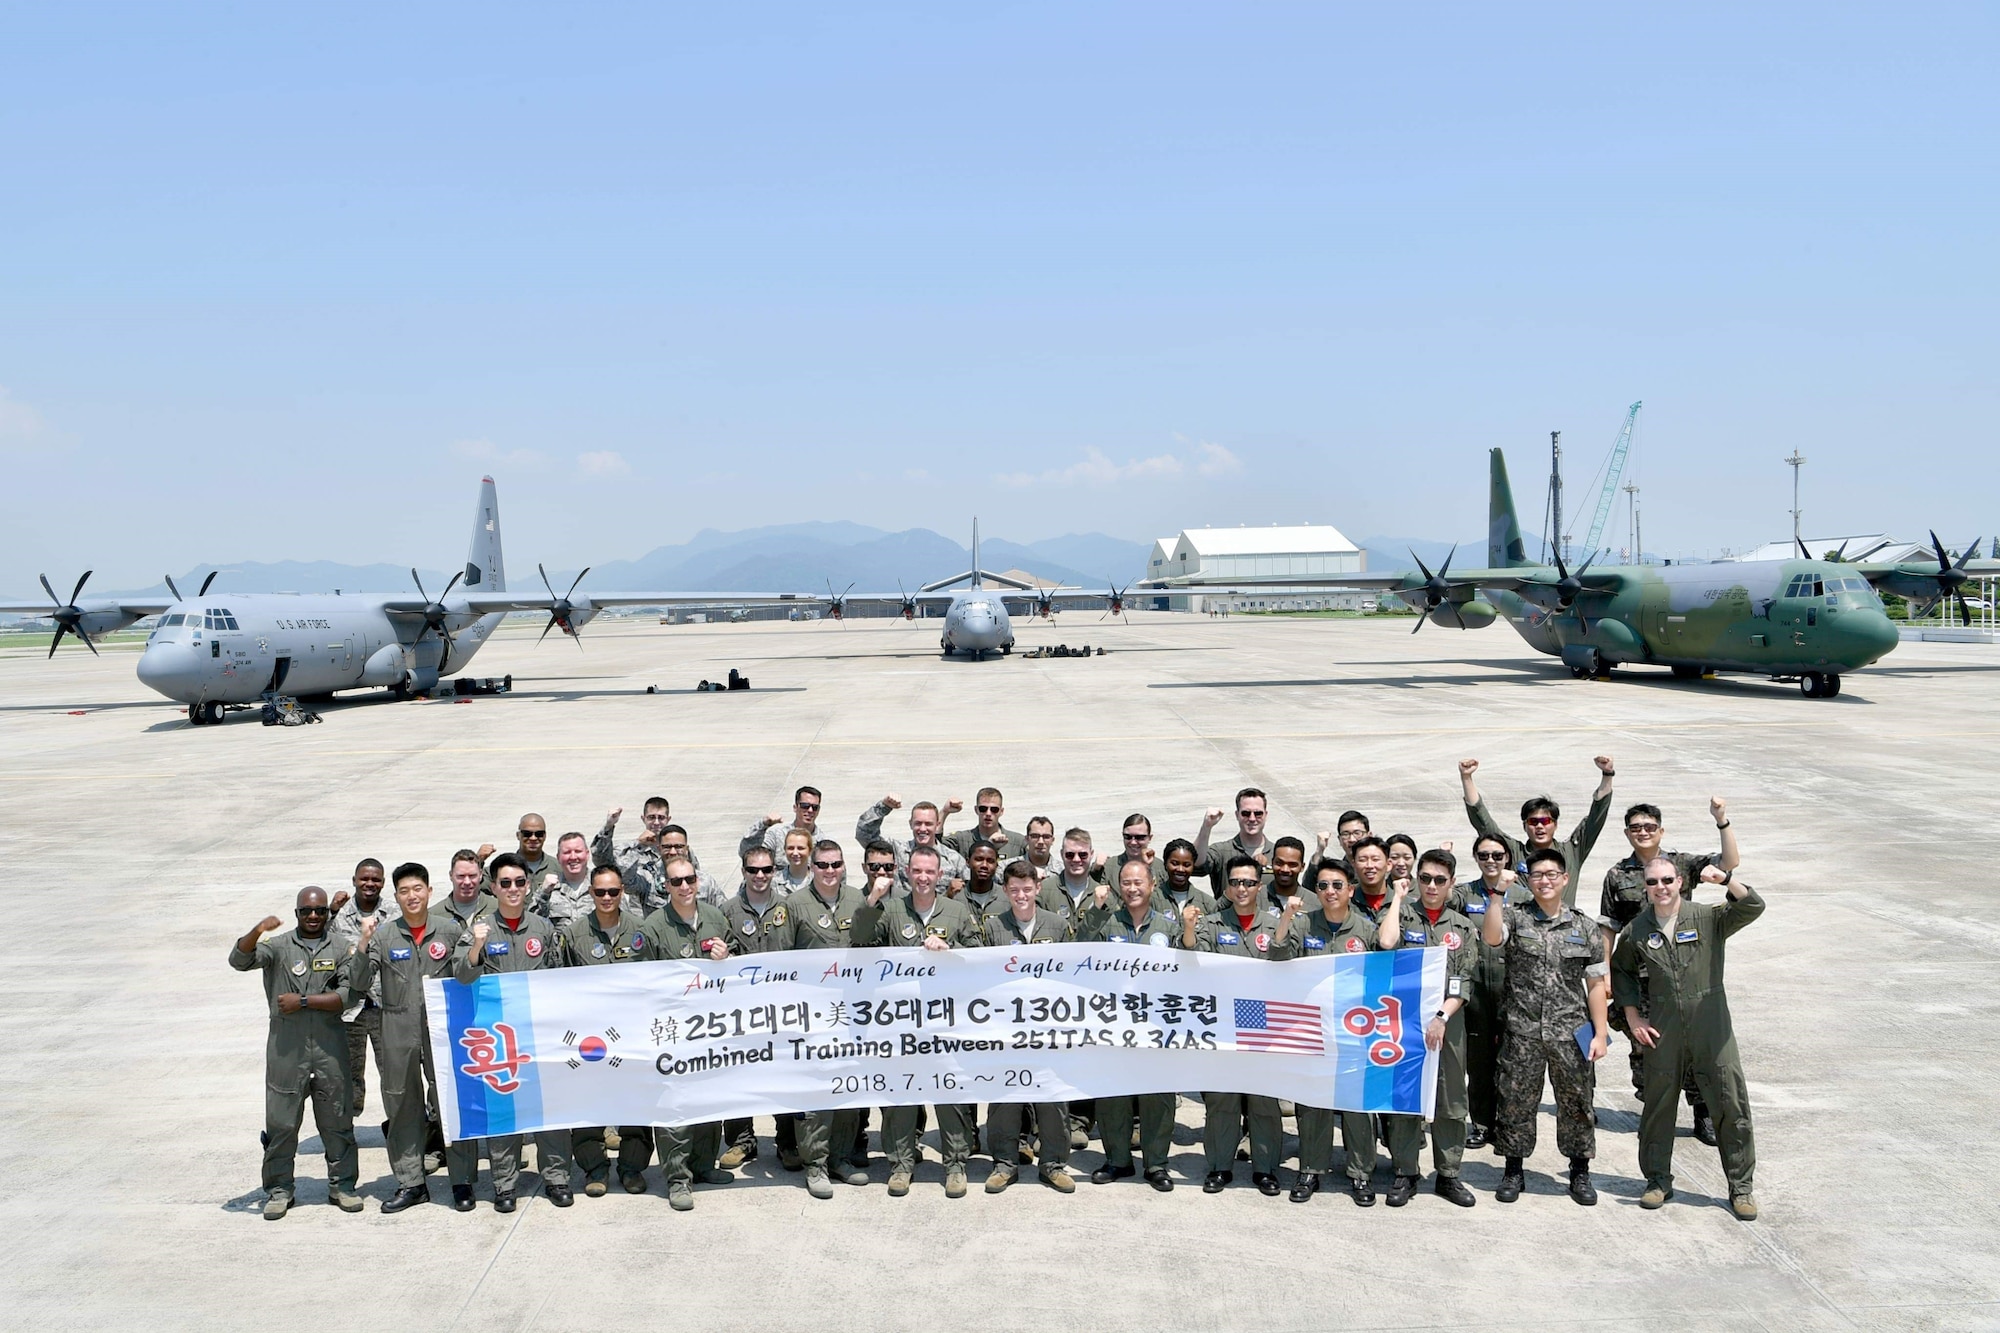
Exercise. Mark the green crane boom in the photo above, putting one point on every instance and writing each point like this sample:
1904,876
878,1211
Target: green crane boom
1611,475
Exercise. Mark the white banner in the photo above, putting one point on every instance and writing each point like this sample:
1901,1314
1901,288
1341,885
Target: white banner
681,1042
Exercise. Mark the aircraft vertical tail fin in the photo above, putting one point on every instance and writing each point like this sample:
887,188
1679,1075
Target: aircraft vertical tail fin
977,582
485,570
1504,547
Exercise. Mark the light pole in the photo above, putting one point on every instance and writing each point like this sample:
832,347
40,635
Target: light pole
1796,461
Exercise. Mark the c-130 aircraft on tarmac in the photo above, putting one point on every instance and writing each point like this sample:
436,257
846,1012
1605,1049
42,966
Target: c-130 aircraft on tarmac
230,650
1803,619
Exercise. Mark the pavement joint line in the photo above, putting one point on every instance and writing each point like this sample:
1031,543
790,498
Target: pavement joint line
472,1293
1126,738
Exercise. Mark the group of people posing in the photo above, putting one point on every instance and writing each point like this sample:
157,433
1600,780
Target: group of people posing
1535,987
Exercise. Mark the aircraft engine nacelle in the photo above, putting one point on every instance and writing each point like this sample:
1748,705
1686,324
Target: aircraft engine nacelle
1475,614
95,623
385,667
420,680
582,616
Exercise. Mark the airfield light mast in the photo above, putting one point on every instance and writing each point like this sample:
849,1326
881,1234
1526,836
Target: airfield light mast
1632,518
1556,491
1796,461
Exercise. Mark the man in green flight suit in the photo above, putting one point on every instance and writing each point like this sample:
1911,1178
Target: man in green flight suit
1030,920
922,919
1539,817
513,939
1245,927
686,927
605,935
1680,1015
821,916
1138,920
1431,922
308,981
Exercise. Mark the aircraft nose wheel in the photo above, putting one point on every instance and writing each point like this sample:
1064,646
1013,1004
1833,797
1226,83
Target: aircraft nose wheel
1819,685
207,714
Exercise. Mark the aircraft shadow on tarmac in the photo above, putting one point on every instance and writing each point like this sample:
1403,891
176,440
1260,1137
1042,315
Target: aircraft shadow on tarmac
935,655
329,707
1538,674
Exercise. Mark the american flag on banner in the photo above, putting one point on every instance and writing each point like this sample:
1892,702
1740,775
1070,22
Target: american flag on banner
1274,1025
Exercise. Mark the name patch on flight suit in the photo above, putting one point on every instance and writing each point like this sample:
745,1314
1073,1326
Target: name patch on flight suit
1315,942
1475,909
1119,939
399,955
1413,937
1228,937
848,924
495,949
324,965
1686,936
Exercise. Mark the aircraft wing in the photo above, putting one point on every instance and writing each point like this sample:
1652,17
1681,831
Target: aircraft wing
484,602
131,607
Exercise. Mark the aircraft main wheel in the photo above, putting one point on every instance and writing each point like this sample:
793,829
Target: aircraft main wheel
211,713
1813,685
1682,671
1832,686
1581,673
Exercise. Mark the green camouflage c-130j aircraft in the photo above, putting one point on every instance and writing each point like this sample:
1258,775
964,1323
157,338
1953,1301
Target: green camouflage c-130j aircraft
1806,620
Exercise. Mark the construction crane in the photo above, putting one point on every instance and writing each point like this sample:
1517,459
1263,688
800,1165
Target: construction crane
1613,470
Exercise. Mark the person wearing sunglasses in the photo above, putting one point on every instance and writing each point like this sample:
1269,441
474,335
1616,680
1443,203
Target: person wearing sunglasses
688,928
1252,838
755,915
309,978
1247,925
609,932
512,939
1431,922
531,835
1539,818
1334,926
1489,977
1137,838
987,807
1666,972
1625,896
822,916
769,832
1558,984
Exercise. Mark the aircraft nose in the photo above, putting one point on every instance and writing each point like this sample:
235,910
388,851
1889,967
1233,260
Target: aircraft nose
1874,633
171,669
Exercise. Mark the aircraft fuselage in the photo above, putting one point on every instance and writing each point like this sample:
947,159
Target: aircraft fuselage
977,623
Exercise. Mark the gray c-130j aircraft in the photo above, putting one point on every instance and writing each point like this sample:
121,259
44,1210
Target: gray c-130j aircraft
222,650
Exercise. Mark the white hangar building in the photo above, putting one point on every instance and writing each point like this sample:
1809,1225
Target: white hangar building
1207,568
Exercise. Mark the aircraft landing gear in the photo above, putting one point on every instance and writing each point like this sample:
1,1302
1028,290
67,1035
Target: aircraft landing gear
1819,684
1684,671
207,714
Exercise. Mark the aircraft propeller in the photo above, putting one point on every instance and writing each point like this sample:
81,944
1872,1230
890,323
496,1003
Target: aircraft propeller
1436,589
434,613
562,608
1951,579
1045,603
1115,603
68,616
204,585
1571,585
909,609
837,602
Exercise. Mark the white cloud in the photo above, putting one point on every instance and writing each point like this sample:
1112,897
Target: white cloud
603,463
1215,461
489,454
21,426
1096,469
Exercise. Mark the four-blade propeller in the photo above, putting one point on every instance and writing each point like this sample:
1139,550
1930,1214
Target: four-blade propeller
1570,586
837,602
561,609
1951,578
1436,589
434,614
68,615
1115,603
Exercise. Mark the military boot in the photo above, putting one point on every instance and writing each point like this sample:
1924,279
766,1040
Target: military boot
277,1204
1704,1125
1580,1187
1512,1182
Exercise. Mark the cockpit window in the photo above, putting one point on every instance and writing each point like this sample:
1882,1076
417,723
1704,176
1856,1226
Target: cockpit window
168,622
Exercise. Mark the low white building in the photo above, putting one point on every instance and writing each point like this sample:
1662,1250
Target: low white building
1206,567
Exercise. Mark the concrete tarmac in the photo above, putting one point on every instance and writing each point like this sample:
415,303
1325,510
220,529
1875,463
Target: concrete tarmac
137,848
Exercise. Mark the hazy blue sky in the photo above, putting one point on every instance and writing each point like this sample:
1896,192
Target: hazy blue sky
282,281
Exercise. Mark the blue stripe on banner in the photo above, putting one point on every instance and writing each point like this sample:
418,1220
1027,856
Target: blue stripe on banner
1407,1078
489,1004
